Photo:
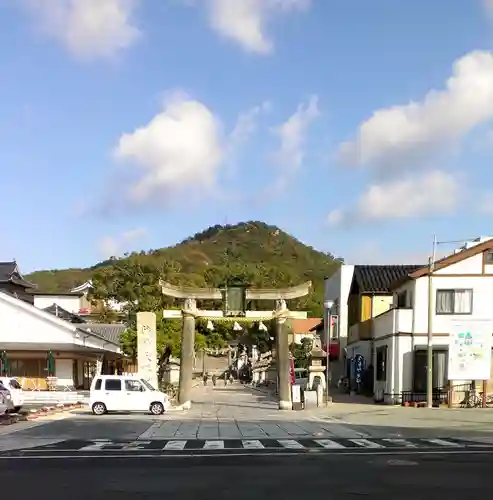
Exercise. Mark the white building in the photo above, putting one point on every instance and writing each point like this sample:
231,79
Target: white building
28,335
461,297
84,289
71,301
337,289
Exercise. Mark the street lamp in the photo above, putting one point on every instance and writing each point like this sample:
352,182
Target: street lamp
328,304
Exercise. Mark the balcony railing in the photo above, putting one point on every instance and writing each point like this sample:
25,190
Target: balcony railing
392,321
387,323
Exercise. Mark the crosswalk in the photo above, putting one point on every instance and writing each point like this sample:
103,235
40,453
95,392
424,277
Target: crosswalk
252,445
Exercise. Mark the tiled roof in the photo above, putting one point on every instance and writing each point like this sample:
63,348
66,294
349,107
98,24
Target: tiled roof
380,278
62,313
110,332
304,325
9,272
6,270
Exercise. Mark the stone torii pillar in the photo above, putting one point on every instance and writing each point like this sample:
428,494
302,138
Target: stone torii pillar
234,308
282,348
189,313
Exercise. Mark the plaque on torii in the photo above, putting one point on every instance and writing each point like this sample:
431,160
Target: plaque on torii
234,299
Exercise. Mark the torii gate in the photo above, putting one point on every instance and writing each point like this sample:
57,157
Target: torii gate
234,299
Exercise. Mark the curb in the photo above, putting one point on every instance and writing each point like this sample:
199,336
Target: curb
10,419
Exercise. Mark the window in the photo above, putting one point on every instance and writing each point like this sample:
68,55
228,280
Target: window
488,257
402,299
381,368
133,385
113,384
454,302
97,387
147,384
439,368
14,384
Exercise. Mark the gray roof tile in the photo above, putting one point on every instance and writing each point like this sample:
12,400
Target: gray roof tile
379,279
110,332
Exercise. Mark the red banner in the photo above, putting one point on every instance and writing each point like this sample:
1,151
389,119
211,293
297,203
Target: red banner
291,370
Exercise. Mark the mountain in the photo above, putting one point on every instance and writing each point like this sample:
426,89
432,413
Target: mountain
250,252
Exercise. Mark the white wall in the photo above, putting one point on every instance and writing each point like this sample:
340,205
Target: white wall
472,265
23,323
69,303
337,289
481,285
482,308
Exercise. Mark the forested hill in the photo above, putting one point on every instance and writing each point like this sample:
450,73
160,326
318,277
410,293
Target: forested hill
250,252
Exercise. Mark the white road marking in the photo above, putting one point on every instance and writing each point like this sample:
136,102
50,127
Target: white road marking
239,453
175,445
97,445
213,445
328,443
252,444
291,444
442,442
366,443
400,442
136,445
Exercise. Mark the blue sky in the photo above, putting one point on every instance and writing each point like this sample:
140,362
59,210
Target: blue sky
361,127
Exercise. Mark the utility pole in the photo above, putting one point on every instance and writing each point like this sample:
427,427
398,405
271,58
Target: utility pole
429,362
327,327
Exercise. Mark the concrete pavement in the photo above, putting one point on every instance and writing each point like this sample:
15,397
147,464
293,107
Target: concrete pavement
227,417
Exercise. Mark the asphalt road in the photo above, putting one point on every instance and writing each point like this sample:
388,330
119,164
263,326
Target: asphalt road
406,476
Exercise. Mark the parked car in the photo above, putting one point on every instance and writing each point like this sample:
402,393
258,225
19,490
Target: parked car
6,404
12,385
126,393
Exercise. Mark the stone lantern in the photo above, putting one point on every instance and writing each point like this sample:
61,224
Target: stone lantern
316,369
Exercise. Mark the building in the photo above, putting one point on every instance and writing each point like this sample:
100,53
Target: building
12,282
461,297
33,338
337,289
370,295
302,328
70,301
85,304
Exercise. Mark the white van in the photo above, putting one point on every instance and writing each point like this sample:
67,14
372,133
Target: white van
5,400
16,392
125,393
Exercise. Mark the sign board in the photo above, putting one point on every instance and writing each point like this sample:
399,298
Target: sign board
470,353
296,393
334,327
359,361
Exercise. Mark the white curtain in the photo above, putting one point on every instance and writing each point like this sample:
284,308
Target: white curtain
463,300
445,301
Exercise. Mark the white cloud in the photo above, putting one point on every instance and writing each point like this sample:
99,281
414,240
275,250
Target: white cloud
247,124
432,193
409,135
111,246
245,21
292,134
89,29
180,148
